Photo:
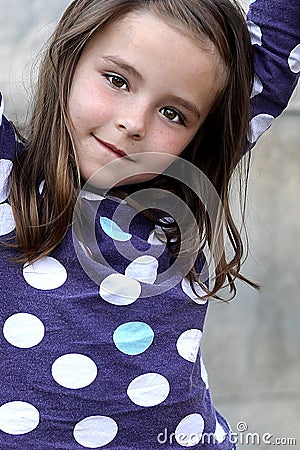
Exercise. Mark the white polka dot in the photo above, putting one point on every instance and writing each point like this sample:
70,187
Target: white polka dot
41,187
188,344
186,287
91,196
157,237
120,290
115,199
18,418
149,389
204,375
255,33
167,219
189,430
258,125
257,86
220,434
74,371
23,330
5,169
294,59
7,222
45,274
143,269
95,431
252,1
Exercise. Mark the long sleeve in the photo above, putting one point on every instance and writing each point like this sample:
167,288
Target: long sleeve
1,108
274,27
7,135
2,119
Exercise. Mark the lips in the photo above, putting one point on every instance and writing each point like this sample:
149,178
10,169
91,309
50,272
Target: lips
118,152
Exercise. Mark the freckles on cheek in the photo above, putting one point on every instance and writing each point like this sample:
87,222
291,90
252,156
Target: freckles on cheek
75,114
175,145
164,142
74,108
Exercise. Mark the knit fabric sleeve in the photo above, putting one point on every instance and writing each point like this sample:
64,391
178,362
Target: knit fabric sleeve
274,27
7,136
1,124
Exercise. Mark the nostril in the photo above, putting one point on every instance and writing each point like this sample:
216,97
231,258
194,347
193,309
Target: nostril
131,130
136,136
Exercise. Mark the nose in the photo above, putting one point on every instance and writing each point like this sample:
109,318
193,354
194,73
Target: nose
134,120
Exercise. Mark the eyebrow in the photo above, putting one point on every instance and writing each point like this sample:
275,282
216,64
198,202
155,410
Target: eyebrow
193,109
189,106
123,65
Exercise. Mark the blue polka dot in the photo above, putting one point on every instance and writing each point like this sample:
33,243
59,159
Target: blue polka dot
133,338
113,230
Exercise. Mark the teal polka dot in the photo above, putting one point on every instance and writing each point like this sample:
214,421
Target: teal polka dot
113,230
133,338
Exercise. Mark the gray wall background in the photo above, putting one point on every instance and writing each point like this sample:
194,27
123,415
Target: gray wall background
251,346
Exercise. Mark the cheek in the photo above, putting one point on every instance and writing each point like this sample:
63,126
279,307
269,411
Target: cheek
173,143
89,106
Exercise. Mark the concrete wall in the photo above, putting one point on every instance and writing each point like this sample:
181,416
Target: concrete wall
24,27
251,346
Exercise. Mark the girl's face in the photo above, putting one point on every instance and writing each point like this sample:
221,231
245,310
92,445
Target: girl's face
142,89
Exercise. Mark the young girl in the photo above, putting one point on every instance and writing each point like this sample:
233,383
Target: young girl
102,305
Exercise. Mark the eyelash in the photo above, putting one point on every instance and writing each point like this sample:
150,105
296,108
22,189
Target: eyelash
181,120
110,77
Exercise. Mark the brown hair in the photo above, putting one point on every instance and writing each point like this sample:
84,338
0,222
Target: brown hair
42,221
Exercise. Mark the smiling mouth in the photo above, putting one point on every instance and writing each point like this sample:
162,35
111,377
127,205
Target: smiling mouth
110,147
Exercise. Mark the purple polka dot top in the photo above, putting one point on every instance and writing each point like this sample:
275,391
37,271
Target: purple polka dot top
107,353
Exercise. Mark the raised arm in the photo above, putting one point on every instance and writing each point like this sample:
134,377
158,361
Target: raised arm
275,32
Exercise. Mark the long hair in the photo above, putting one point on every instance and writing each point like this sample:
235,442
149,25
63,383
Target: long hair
42,221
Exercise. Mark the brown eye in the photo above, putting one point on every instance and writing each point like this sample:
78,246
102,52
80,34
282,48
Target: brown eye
117,82
172,114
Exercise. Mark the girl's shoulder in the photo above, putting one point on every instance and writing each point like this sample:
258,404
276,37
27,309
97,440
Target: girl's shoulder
8,138
9,144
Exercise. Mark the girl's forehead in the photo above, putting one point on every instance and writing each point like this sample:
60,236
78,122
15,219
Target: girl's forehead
146,28
158,21
149,33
